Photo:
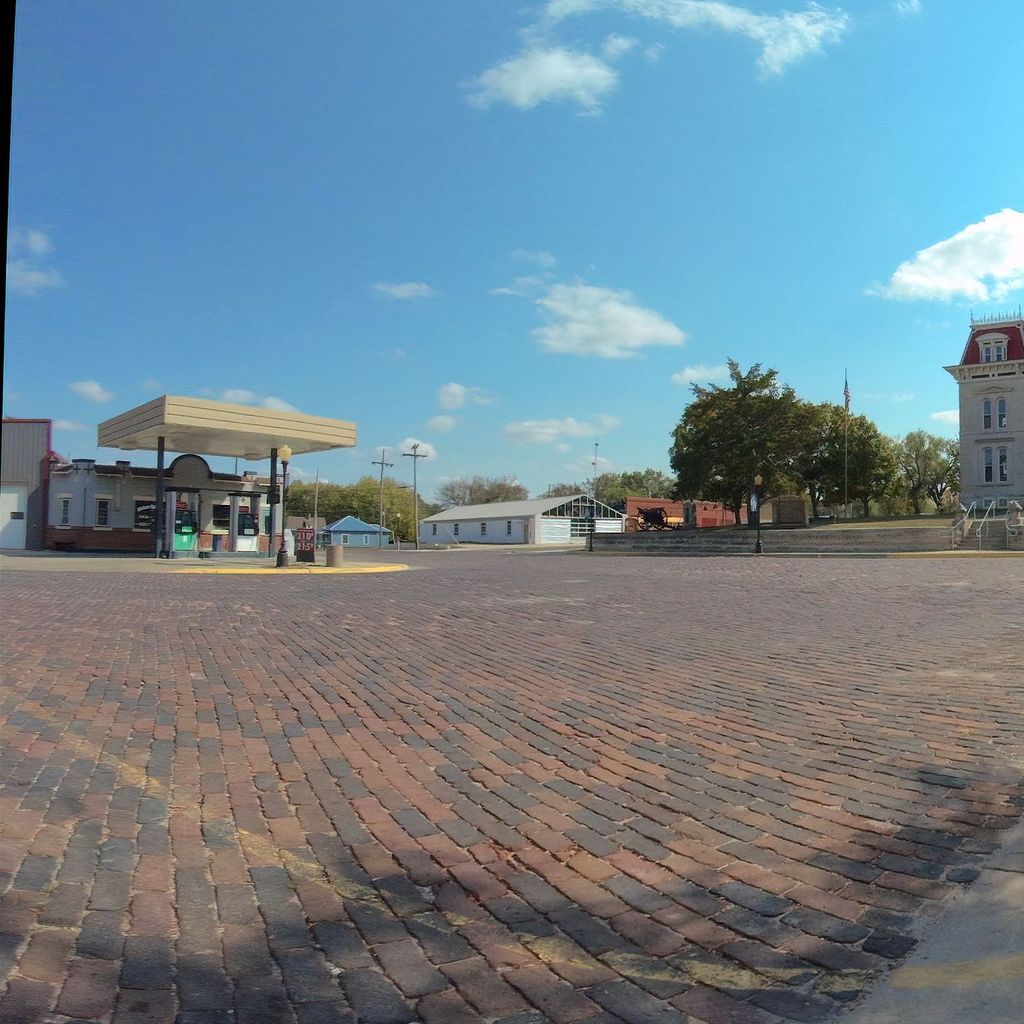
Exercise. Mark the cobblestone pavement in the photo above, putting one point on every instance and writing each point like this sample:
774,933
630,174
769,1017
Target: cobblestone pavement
517,788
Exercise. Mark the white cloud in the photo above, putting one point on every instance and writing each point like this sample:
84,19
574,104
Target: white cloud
525,286
29,280
27,249
456,396
69,425
542,259
701,374
586,466
404,290
243,396
616,45
653,53
907,6
27,272
784,38
544,74
563,447
984,261
947,416
887,396
442,424
28,240
92,390
151,384
405,446
589,321
552,431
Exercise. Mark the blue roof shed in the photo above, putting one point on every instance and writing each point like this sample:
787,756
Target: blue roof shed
351,531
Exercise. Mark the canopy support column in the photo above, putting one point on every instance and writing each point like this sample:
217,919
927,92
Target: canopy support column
158,512
273,499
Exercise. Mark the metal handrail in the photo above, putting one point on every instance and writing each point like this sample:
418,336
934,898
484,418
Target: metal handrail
959,529
983,525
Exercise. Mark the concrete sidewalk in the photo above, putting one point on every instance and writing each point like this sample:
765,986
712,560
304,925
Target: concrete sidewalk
970,967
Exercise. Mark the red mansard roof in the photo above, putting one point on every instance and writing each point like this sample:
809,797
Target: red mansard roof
1014,333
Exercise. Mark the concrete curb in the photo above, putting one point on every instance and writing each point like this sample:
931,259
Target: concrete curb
969,969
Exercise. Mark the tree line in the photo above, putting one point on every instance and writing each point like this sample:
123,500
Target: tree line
728,435
361,499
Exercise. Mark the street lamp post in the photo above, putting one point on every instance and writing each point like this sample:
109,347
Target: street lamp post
755,508
285,454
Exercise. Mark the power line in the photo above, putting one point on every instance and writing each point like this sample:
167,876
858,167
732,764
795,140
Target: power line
414,455
380,520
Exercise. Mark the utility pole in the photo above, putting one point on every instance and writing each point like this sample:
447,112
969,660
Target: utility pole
593,486
415,455
380,521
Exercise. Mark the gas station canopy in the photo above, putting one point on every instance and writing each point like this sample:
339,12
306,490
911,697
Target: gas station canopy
221,428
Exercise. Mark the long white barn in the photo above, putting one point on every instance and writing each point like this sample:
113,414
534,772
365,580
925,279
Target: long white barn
564,520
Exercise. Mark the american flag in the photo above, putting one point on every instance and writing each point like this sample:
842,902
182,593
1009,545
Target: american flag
846,391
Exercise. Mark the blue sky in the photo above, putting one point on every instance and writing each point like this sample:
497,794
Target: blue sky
507,231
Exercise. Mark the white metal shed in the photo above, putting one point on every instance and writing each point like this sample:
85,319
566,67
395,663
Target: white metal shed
564,520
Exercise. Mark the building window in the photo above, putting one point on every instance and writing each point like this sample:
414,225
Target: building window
221,518
455,530
986,414
344,538
483,529
65,512
1002,466
988,465
366,539
1001,414
508,527
433,529
102,511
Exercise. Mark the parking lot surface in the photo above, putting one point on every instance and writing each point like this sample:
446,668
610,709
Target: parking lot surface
508,787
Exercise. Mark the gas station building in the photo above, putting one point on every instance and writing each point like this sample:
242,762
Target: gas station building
184,506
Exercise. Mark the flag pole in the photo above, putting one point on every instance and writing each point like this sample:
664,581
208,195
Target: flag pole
846,447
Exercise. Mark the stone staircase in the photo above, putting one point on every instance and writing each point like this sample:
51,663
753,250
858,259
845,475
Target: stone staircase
994,536
819,540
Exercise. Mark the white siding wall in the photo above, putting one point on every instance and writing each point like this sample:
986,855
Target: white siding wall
609,525
469,531
554,531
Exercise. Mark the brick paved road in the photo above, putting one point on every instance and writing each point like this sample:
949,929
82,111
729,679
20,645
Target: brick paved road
510,787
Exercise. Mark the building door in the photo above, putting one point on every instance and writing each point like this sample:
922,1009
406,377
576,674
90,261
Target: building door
13,509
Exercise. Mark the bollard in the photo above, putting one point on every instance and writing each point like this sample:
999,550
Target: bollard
334,553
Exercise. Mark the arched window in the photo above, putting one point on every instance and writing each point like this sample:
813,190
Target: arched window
988,466
1001,414
1002,466
986,414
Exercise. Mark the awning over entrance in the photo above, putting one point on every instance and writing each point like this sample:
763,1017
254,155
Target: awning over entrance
221,428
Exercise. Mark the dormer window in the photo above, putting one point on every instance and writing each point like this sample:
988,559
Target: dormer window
992,348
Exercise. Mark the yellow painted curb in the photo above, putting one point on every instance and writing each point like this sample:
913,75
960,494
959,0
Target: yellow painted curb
958,975
956,554
315,570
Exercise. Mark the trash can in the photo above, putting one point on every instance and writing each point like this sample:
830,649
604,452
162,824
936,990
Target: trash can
216,541
334,553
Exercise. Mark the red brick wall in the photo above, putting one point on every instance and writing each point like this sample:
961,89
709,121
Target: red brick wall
85,538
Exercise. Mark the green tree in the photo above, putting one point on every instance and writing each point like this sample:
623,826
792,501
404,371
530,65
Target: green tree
563,490
873,464
727,436
945,483
479,490
648,483
817,426
924,464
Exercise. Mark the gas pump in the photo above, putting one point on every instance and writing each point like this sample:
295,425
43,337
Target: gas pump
248,530
186,529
